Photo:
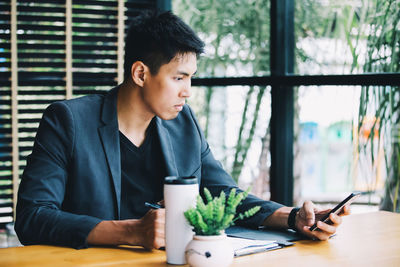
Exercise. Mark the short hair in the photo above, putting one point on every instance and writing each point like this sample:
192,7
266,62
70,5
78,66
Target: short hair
155,38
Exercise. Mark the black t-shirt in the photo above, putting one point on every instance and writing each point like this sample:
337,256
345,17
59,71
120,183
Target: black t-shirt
142,174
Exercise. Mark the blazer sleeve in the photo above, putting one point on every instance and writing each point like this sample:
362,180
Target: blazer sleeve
215,178
39,216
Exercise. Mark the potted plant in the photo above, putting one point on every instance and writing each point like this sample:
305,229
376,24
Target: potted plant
210,246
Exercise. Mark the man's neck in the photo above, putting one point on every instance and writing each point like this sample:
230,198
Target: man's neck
133,118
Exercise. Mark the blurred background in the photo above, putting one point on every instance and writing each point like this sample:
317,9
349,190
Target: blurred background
345,137
322,74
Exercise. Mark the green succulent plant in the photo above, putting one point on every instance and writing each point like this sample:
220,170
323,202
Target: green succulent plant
219,212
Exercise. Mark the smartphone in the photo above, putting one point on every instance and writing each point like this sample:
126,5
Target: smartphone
348,200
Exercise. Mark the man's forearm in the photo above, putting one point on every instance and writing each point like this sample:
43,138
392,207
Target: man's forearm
115,233
278,219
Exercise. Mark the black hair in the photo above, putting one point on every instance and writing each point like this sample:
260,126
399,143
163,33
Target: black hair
155,38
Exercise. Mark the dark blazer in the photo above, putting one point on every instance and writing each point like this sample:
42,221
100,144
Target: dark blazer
72,180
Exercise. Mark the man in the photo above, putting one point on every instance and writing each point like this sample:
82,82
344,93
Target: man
97,159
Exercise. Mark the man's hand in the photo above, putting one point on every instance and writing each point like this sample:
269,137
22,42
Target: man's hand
309,214
147,231
153,226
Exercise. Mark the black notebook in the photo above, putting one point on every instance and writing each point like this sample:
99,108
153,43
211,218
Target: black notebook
282,237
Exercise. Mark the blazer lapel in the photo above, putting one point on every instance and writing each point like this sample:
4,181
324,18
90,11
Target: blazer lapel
110,139
167,149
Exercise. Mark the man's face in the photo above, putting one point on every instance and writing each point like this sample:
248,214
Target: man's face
164,93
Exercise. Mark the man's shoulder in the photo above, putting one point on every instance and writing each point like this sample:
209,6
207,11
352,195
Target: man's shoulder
80,104
84,109
85,101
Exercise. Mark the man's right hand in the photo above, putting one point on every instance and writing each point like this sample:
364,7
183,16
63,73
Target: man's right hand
153,228
147,231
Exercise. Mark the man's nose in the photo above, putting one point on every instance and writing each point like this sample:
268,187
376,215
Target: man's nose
186,91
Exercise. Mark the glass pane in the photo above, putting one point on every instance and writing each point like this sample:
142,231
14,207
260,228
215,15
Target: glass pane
345,142
342,37
236,34
324,139
222,121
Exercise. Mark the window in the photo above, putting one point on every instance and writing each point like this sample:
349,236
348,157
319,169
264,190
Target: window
345,37
346,49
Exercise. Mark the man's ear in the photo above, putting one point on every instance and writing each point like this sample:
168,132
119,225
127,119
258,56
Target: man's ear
138,72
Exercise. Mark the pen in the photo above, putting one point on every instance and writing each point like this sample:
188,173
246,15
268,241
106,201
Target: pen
153,205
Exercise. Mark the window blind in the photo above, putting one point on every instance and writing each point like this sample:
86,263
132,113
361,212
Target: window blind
60,44
6,185
94,48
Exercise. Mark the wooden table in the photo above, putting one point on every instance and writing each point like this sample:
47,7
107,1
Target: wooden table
368,239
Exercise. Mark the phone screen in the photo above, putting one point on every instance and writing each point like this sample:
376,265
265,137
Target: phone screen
337,209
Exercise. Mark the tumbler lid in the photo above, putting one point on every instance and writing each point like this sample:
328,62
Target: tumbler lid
180,180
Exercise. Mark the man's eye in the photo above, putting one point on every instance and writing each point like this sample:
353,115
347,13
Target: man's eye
178,78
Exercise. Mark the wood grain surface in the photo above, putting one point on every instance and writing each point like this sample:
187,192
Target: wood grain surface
367,239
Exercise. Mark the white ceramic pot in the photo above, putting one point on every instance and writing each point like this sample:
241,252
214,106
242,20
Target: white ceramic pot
209,251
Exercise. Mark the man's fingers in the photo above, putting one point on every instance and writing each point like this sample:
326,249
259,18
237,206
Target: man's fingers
160,213
159,216
160,219
320,235
324,230
154,222
159,242
159,223
160,233
161,203
325,211
309,214
345,211
316,235
335,219
308,208
329,229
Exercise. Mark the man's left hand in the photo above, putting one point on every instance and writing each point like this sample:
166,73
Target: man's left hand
309,214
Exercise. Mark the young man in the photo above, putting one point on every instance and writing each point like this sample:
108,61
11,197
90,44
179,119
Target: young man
97,159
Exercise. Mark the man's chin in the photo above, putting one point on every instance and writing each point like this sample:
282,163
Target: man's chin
168,117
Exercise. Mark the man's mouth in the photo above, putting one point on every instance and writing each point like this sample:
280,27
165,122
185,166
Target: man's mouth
179,107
